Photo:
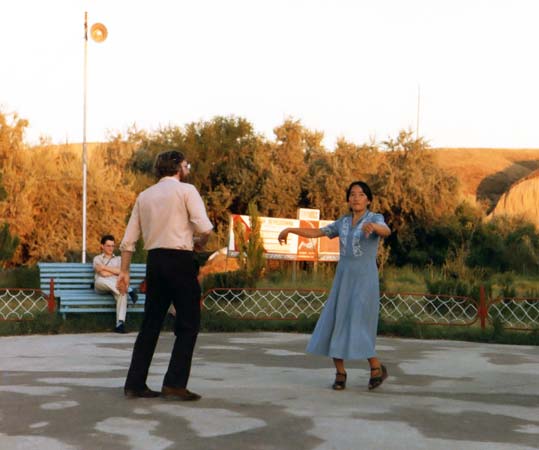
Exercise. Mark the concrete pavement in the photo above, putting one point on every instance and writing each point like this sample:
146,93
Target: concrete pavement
261,391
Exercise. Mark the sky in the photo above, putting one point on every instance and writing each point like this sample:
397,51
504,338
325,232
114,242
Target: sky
353,69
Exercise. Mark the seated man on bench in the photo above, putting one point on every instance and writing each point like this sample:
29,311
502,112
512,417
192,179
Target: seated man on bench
107,267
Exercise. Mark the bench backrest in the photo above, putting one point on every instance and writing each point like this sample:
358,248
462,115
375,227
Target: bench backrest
78,276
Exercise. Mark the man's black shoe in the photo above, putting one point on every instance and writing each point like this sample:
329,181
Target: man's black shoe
180,394
133,295
142,393
120,328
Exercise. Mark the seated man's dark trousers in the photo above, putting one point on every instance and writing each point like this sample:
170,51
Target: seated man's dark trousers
171,278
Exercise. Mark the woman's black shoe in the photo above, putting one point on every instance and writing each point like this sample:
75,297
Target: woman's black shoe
340,381
374,382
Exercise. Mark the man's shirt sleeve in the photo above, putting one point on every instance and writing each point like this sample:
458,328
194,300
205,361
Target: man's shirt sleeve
197,212
132,232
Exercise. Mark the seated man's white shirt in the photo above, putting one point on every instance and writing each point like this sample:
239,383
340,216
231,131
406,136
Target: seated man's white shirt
103,260
108,284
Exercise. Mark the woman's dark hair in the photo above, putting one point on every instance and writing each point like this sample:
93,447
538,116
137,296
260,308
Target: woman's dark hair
364,187
107,237
168,163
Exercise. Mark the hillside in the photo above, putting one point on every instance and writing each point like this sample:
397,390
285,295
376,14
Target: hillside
486,174
521,199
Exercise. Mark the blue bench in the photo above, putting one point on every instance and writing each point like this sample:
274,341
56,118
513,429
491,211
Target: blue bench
70,286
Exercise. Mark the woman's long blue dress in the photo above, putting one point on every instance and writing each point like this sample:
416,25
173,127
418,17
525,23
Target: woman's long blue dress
348,324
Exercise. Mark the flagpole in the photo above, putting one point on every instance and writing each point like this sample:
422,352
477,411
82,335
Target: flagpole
84,149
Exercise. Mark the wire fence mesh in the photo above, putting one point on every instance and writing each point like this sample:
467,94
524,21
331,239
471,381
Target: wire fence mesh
429,309
243,303
20,304
515,313
265,303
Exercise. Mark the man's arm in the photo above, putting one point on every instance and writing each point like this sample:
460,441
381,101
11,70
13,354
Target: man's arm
200,241
123,277
127,247
199,218
112,270
107,271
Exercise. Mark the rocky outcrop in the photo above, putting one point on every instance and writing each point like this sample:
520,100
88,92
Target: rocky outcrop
486,174
522,199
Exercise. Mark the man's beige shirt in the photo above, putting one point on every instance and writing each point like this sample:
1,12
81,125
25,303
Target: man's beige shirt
104,260
167,214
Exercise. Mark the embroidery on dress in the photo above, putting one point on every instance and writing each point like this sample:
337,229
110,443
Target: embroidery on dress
343,235
358,232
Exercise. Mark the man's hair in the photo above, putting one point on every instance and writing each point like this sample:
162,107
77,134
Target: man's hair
107,237
167,164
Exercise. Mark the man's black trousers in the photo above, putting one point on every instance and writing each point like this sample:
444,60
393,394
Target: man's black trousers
171,277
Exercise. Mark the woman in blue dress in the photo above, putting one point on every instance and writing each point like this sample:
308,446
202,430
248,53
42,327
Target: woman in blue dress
348,324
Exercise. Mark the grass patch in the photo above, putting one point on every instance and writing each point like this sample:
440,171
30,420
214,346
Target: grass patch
321,279
404,279
46,323
218,322
494,334
526,286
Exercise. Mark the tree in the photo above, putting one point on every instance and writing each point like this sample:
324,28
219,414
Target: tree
251,249
229,162
411,191
506,243
8,243
11,136
281,194
45,211
12,165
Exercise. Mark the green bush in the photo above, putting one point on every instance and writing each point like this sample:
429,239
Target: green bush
235,279
8,243
506,281
498,329
456,278
20,277
531,293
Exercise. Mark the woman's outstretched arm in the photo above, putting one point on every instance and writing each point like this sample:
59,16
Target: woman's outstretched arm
303,232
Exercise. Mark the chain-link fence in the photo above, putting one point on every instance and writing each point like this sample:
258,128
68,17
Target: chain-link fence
265,303
428,309
20,304
243,303
515,313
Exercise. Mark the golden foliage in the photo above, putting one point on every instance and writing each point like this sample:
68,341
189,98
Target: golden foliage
44,201
41,188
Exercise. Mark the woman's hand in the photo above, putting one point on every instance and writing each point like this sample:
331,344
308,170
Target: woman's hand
282,236
381,230
369,228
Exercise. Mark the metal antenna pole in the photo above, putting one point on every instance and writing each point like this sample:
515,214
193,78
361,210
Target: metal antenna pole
84,150
417,118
